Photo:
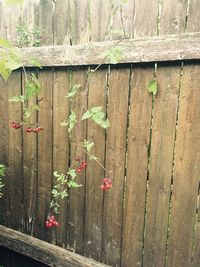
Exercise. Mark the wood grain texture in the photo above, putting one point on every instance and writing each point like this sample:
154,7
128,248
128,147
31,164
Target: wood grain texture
44,183
15,187
137,164
8,22
61,24
173,17
80,23
29,171
193,24
76,207
115,162
4,151
94,172
44,252
162,48
186,172
161,162
196,253
44,21
60,143
145,25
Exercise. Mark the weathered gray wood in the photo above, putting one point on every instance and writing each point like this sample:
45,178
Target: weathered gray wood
162,48
42,251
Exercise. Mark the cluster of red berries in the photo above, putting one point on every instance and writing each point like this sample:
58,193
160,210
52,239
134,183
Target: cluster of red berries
51,222
16,125
107,184
33,129
82,164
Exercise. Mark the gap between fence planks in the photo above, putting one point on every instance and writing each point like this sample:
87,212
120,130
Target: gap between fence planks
43,251
162,48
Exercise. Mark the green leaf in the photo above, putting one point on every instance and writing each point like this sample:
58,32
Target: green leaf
5,43
35,107
96,109
73,184
153,87
88,145
27,113
14,2
114,55
13,64
17,98
73,90
86,115
35,62
2,170
72,173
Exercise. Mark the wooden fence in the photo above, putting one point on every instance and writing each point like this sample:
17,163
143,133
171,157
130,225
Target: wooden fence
151,215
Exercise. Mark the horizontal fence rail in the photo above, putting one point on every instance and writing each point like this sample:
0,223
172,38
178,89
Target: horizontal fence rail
162,48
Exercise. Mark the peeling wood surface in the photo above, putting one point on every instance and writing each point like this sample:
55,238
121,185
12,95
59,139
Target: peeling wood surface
162,48
42,251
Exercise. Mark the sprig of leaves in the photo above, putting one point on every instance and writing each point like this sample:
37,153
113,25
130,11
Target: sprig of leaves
114,54
71,122
98,116
2,173
73,90
60,189
153,87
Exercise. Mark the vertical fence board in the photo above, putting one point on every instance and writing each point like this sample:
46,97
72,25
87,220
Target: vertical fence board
173,16
115,162
60,143
62,22
29,171
94,172
196,256
186,172
77,195
137,163
44,156
80,21
193,24
15,155
4,150
161,161
145,25
44,21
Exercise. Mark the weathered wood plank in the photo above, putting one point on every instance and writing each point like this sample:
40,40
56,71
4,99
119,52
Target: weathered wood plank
29,171
173,17
76,208
196,255
44,181
115,162
80,24
4,150
160,169
186,172
15,187
162,48
44,21
144,25
193,24
60,143
61,24
42,251
137,164
94,172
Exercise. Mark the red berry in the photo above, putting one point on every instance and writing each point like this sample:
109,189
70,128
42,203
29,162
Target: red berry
103,187
52,218
48,224
15,125
29,130
78,170
56,224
